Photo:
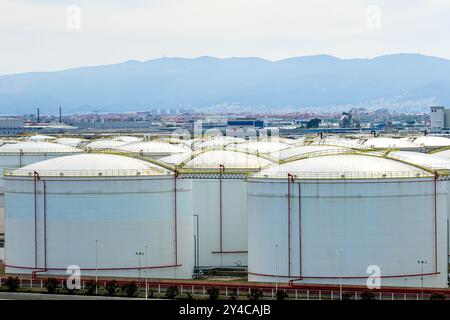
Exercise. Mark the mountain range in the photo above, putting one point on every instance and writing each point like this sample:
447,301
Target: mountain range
300,82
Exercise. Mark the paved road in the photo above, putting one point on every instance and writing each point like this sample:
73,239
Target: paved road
41,296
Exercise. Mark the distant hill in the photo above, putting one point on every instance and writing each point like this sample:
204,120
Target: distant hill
206,81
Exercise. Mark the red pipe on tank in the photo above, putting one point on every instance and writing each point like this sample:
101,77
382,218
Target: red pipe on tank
300,228
290,180
176,173
436,176
221,171
45,225
35,175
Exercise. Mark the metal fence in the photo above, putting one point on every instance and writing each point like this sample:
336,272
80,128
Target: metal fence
243,292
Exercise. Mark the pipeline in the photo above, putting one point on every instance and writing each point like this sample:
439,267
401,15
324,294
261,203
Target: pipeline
297,278
45,269
175,176
290,180
35,177
221,171
300,228
436,176
93,269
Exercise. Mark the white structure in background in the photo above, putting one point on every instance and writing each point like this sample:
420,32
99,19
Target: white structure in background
220,203
376,211
41,138
429,141
71,142
16,155
307,150
440,118
152,149
120,203
103,144
127,139
390,143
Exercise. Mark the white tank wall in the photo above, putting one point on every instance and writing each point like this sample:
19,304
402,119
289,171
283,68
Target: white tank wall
124,215
385,224
234,221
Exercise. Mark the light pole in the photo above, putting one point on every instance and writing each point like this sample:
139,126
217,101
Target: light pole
139,254
276,267
422,262
340,275
96,266
146,276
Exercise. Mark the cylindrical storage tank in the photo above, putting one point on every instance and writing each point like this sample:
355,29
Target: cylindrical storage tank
430,142
431,162
16,155
304,151
391,143
118,215
103,144
220,203
342,218
71,142
152,149
41,138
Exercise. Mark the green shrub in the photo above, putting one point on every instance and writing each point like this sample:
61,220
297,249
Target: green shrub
172,292
437,296
281,295
111,287
367,295
51,284
213,293
130,289
255,294
234,294
12,283
91,287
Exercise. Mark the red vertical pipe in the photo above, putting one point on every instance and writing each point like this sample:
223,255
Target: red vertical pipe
221,170
290,179
436,176
35,220
175,216
45,225
300,228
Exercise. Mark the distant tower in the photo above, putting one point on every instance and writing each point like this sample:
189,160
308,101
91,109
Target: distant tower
60,115
437,117
38,120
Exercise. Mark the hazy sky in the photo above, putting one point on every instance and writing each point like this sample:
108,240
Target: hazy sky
56,34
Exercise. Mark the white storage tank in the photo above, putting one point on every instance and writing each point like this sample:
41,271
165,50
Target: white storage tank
430,142
103,144
391,143
152,149
16,155
338,218
97,211
220,203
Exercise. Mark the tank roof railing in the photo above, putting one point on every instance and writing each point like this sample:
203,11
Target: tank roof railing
86,173
320,153
347,175
39,151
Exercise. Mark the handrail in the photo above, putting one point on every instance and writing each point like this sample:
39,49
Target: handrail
346,175
86,173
